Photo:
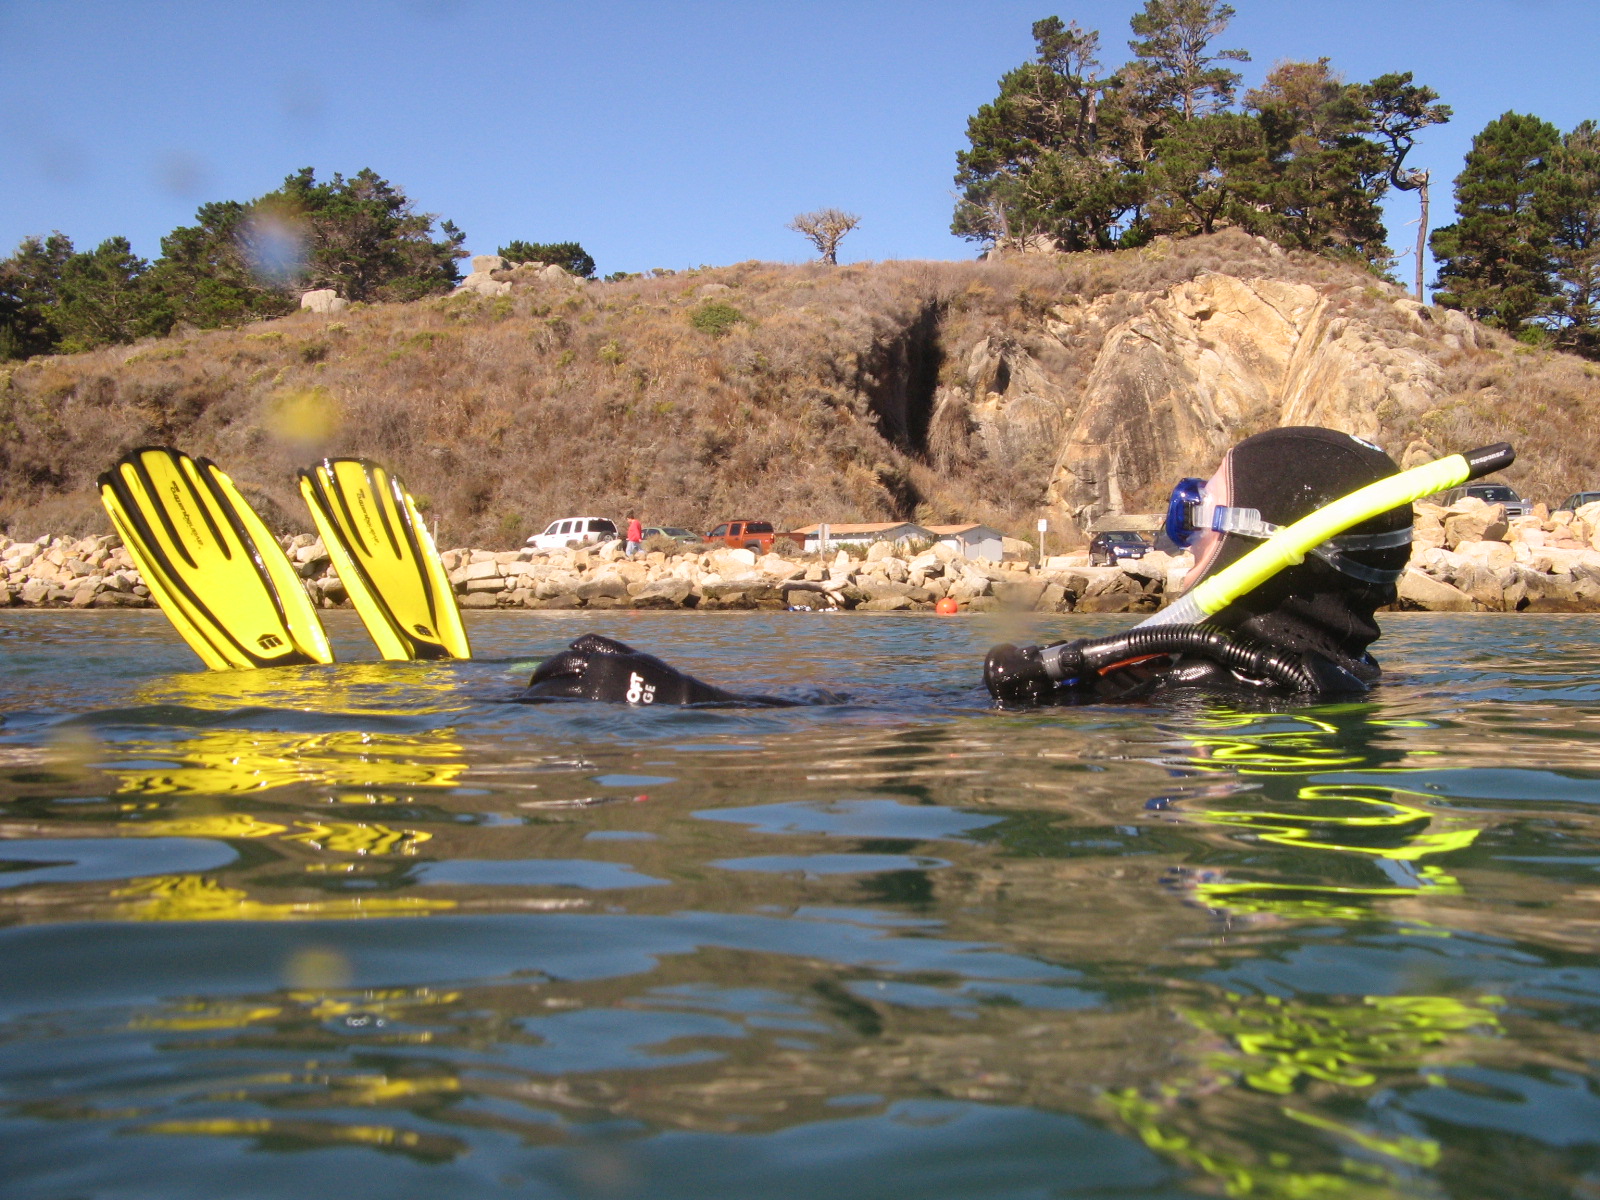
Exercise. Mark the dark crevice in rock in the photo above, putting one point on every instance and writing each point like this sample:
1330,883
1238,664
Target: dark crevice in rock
899,376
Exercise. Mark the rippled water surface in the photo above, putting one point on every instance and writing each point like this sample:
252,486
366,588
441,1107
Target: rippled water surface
372,930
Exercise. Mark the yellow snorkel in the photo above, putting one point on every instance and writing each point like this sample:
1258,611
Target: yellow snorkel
1291,544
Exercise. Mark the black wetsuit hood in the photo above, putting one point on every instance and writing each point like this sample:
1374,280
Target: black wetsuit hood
1288,474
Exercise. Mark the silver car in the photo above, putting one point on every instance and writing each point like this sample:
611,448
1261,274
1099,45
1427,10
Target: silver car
1491,493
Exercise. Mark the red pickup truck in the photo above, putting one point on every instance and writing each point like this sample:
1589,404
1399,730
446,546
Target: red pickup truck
744,535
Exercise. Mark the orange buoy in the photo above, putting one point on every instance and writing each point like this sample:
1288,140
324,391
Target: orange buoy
947,607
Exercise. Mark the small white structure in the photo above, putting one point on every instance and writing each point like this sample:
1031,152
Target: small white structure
973,540
828,536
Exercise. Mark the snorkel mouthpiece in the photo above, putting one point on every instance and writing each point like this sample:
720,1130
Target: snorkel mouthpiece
1023,674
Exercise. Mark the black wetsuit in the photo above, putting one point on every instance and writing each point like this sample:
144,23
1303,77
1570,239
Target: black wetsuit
595,667
1158,660
1123,667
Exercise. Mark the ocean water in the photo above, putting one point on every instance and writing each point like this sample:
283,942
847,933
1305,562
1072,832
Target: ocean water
374,930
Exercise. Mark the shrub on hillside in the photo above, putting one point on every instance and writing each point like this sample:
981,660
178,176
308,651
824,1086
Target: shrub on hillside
569,256
716,318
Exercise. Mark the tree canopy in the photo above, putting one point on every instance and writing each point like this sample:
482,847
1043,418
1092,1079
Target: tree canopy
1524,251
239,261
1075,157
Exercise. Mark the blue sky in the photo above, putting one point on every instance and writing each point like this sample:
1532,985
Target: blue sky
656,134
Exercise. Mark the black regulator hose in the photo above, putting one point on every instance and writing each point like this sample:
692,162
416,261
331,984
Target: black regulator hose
1032,673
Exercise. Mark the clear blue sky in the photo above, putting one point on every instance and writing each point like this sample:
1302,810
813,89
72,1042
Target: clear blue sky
657,134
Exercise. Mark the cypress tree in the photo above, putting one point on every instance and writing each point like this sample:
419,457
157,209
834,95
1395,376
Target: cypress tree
1494,262
1567,202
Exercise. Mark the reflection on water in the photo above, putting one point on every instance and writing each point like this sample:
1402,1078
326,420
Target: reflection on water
414,939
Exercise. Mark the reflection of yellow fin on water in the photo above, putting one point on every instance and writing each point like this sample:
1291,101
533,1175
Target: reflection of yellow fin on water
211,564
381,549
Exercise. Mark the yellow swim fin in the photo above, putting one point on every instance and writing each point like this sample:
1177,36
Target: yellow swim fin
211,564
381,549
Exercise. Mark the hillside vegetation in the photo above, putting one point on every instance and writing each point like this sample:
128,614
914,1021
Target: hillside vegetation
924,390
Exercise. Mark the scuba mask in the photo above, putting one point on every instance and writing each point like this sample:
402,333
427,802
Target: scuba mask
1191,512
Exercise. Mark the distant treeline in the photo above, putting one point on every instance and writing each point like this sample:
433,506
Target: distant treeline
239,262
1072,156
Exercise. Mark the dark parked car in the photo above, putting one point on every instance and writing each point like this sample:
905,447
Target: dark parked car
1108,548
677,533
1578,499
1491,493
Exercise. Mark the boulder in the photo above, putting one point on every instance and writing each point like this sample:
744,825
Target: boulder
1493,555
1471,520
483,285
659,593
562,583
1482,585
323,300
1417,590
1022,595
482,264
876,588
1105,602
551,273
603,586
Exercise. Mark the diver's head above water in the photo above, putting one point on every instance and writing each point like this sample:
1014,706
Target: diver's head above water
1298,620
1269,481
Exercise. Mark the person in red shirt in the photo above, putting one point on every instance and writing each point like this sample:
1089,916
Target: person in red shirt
635,536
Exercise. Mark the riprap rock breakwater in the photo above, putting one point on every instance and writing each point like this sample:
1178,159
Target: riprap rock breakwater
1466,558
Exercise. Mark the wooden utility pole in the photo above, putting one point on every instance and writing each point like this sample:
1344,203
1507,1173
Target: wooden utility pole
1421,178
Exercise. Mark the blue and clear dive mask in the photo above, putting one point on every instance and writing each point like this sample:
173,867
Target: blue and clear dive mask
1190,513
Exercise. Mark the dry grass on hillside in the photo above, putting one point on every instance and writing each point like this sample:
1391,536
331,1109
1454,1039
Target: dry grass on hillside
790,393
1544,403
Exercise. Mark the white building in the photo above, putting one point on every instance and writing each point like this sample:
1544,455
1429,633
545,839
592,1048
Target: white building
970,540
974,541
829,536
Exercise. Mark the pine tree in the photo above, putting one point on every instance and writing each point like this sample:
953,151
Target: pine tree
1038,166
1172,41
1195,173
1494,262
104,297
211,272
1567,203
1318,185
363,237
30,288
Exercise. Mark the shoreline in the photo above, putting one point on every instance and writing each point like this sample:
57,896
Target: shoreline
1468,558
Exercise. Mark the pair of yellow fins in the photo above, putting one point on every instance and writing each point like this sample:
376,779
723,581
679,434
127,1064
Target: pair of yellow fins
231,591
